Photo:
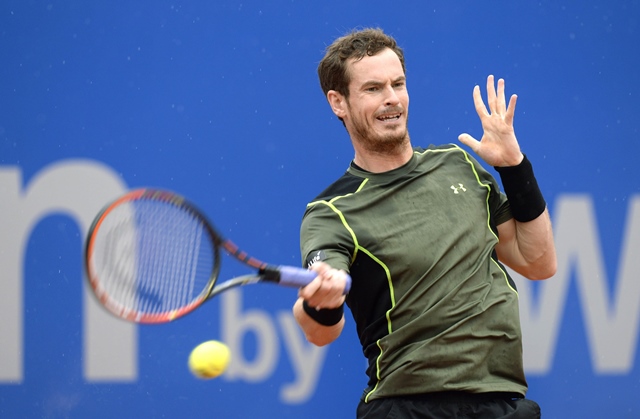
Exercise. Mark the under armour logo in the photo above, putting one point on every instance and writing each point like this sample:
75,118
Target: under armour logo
457,189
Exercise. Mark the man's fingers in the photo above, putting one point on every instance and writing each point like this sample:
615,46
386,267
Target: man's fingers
310,289
481,109
469,141
326,290
491,94
511,110
501,101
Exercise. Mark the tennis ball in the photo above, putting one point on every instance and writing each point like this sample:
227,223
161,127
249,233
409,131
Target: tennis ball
209,359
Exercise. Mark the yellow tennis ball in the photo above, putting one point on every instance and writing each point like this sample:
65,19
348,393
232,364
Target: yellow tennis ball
209,359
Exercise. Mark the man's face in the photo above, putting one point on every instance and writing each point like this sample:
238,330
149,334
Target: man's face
376,111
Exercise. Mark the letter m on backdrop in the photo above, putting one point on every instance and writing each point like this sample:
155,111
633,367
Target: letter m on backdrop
78,189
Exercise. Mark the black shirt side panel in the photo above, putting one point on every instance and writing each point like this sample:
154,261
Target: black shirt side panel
374,313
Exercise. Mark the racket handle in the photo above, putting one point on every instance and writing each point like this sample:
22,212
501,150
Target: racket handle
295,277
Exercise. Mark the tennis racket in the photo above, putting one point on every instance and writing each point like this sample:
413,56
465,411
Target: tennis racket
152,257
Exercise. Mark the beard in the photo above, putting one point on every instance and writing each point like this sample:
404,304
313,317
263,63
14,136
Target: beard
380,143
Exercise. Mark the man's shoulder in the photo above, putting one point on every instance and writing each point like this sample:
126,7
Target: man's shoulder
346,184
437,148
435,154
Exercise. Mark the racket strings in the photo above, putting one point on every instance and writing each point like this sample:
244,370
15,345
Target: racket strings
158,257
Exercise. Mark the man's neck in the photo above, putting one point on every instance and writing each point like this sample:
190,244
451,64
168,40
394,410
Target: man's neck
383,162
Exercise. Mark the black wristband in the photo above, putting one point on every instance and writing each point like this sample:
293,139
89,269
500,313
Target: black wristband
521,187
324,316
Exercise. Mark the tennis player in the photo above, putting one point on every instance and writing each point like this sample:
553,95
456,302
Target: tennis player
425,234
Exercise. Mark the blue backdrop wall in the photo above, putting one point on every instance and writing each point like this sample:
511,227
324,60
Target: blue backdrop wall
219,100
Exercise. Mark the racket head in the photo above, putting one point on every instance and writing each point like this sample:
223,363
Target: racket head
151,256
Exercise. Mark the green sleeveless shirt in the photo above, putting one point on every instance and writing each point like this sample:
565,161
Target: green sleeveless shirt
433,307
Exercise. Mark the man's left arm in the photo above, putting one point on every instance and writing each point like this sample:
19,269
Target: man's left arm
526,241
528,247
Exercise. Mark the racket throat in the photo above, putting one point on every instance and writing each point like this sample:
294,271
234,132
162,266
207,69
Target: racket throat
270,273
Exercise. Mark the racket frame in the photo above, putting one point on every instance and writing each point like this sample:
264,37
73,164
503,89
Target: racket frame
265,272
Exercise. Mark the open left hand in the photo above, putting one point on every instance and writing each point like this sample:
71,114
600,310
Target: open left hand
498,145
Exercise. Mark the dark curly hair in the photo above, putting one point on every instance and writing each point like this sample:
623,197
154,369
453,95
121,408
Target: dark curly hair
332,69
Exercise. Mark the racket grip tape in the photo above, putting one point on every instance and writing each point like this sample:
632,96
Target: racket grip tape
293,276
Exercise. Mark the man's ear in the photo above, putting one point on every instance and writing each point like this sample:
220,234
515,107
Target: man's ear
338,103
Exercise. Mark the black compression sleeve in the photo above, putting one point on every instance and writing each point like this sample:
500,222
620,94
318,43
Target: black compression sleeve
521,187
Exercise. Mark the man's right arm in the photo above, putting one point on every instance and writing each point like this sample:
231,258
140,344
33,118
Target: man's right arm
319,309
316,333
